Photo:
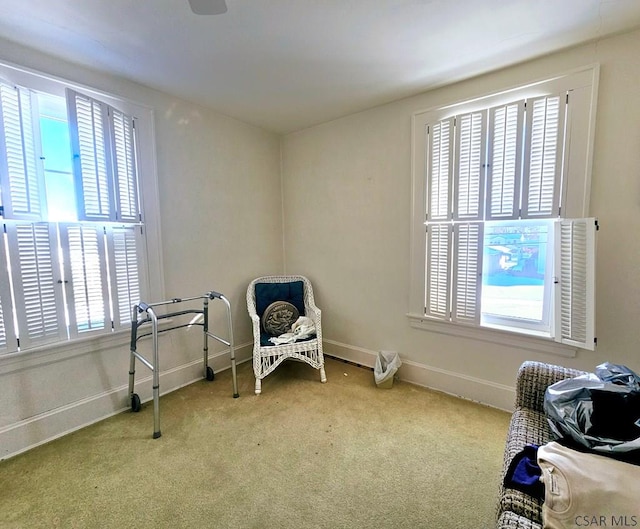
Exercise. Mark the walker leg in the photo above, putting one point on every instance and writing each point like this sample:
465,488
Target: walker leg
231,349
156,380
132,361
207,371
233,374
132,374
156,409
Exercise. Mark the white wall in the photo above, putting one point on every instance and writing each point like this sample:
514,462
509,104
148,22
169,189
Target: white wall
221,226
347,196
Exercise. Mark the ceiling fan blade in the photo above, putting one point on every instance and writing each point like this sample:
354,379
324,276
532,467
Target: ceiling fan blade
208,7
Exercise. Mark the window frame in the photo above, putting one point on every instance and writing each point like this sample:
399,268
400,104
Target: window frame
583,85
151,272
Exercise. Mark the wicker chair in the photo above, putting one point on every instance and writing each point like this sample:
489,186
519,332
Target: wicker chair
267,356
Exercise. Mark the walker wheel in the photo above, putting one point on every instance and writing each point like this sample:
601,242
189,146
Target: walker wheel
135,403
210,373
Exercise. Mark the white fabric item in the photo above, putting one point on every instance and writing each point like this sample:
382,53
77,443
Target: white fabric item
302,328
587,489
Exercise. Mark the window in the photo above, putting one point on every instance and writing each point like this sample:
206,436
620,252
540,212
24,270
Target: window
73,242
499,238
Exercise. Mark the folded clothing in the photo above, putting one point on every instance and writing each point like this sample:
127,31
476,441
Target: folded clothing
587,489
524,473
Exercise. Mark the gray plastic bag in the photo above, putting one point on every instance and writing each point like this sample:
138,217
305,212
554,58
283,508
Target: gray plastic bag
387,363
599,411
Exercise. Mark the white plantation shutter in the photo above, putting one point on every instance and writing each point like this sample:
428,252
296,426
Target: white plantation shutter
544,144
440,165
122,127
124,248
90,142
575,290
505,159
83,248
37,283
8,344
21,179
8,341
512,163
62,281
469,171
438,280
105,160
467,274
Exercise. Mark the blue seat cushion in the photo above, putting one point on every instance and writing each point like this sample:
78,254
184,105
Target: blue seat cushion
267,293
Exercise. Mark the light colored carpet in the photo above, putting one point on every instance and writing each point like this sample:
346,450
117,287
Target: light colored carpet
344,454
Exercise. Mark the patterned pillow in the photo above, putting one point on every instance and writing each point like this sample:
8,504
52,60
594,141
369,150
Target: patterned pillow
278,318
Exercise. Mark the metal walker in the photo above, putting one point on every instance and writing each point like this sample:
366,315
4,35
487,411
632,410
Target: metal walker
138,321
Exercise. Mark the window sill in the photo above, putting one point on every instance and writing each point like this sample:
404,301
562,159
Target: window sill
61,351
500,337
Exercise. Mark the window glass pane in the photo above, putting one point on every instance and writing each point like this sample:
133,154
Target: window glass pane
60,199
56,154
516,275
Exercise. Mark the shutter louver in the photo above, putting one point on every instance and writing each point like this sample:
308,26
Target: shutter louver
468,267
575,296
438,270
123,252
21,182
91,152
505,158
4,339
440,166
34,261
85,266
8,342
543,163
125,167
469,175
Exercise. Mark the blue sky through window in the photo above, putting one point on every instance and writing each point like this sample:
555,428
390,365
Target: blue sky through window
515,269
57,160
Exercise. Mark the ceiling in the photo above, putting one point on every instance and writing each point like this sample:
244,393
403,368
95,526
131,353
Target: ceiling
288,64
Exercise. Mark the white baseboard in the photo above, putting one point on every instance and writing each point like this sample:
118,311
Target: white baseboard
457,384
29,433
